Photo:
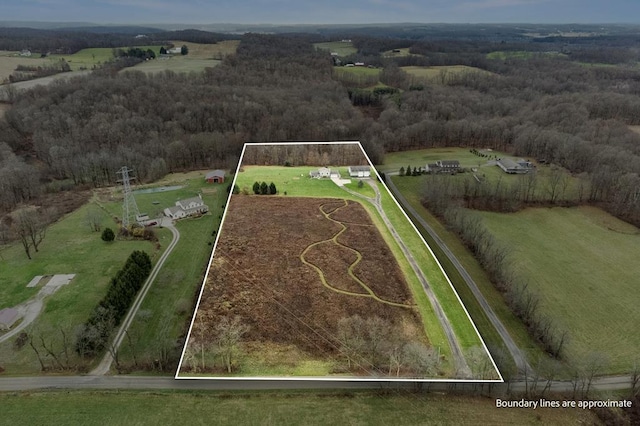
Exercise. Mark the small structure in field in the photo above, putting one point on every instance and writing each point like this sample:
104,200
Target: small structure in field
514,167
216,176
188,207
324,172
8,317
443,166
359,171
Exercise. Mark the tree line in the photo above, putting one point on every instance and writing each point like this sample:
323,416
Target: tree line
92,337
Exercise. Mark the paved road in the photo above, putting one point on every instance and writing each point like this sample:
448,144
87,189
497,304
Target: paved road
461,366
105,364
517,355
12,384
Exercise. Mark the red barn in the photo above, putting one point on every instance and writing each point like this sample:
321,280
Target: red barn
216,176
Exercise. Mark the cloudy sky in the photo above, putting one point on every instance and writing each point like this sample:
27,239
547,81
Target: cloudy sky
321,11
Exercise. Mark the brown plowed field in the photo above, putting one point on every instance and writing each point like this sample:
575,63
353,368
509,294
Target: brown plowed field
258,273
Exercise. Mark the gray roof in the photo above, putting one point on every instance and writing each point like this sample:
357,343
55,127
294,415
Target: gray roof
215,173
8,316
509,163
186,201
360,168
446,163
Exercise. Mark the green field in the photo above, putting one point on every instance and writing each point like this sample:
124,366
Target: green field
95,262
270,408
583,263
295,182
88,58
340,47
421,157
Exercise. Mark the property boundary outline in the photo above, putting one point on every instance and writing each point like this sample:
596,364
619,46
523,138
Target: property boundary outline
330,379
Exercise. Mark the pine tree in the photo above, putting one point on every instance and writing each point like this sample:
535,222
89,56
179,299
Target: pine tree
264,188
256,188
272,188
401,171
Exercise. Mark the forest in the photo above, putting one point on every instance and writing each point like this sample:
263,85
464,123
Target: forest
572,108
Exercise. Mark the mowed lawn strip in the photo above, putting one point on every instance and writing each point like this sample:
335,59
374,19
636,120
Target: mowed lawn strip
282,408
583,263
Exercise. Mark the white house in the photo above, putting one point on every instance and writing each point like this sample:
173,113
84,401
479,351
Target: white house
359,171
324,172
188,207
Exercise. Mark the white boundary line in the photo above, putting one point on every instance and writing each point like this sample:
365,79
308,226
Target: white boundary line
330,379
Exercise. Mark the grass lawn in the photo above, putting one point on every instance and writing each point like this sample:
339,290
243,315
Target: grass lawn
10,60
583,263
69,247
342,48
277,408
421,157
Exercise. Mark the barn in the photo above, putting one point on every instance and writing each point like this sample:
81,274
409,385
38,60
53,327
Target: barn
359,171
216,176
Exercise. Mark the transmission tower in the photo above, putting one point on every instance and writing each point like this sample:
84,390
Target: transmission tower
129,206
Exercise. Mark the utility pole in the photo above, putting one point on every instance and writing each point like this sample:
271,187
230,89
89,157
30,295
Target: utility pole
129,206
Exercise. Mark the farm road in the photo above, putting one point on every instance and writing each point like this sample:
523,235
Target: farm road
105,364
462,368
517,355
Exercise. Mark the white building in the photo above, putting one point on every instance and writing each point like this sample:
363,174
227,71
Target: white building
359,171
188,207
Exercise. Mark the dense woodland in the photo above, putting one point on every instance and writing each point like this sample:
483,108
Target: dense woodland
279,88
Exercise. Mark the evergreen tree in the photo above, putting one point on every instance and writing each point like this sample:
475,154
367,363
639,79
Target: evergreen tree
408,173
256,188
108,235
401,171
272,188
264,188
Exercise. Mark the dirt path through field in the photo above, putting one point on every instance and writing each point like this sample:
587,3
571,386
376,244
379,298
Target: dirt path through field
462,368
369,293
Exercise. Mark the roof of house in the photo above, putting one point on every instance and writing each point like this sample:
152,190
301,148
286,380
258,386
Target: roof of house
360,168
187,201
215,173
508,163
446,163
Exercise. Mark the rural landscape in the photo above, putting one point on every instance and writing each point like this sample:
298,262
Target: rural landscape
181,228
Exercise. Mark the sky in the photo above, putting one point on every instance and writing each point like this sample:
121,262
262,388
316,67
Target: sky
321,11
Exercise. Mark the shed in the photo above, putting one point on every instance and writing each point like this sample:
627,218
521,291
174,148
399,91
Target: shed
216,176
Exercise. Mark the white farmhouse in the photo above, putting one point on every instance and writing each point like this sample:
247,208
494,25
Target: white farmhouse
188,207
324,172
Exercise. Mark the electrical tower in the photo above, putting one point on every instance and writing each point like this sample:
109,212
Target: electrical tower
129,206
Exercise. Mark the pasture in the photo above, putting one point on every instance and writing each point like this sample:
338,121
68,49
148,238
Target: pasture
522,54
273,407
10,60
582,262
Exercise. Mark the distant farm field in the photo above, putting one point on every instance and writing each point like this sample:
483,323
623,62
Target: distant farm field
357,71
522,54
342,48
583,263
10,60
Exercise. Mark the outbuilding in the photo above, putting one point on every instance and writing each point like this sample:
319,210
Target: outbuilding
359,171
216,176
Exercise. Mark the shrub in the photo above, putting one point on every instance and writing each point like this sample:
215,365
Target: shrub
108,235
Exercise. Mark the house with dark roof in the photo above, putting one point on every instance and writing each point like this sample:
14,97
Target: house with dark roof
514,167
188,207
359,171
216,176
443,166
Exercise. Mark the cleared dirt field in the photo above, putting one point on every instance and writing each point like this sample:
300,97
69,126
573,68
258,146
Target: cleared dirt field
291,268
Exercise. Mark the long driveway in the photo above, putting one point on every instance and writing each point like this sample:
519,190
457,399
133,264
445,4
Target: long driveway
462,368
105,364
517,355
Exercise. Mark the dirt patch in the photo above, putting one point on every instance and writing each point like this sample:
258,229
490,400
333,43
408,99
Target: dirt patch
258,274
